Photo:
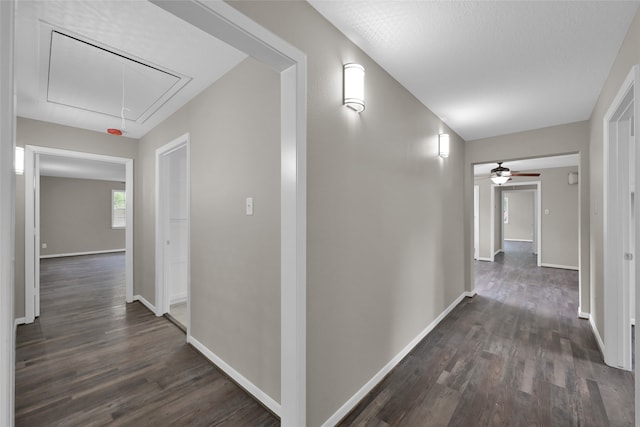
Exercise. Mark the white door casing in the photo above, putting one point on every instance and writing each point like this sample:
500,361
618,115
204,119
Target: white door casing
172,225
476,221
619,125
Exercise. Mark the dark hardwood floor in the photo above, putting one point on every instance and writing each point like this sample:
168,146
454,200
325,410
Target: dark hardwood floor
90,360
514,355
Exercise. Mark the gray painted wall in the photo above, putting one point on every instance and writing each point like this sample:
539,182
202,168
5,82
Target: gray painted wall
234,128
75,216
384,213
34,132
628,56
520,208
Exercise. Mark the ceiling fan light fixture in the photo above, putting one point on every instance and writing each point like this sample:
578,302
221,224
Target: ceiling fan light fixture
500,179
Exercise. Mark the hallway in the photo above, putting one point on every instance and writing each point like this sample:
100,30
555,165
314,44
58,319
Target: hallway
515,354
91,359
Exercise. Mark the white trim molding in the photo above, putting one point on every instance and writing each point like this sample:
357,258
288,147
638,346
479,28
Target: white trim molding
7,215
146,303
236,376
20,321
597,336
616,146
366,389
498,251
106,251
582,314
563,267
518,240
484,259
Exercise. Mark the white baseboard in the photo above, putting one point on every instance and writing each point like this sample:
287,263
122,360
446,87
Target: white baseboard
177,299
564,267
519,240
20,321
582,314
362,393
596,334
250,387
498,251
484,259
633,322
469,294
106,251
146,303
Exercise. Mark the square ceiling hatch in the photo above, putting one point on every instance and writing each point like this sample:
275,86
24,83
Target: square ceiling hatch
85,76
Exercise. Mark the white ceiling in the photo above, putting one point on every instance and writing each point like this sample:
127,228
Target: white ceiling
78,81
490,68
533,165
69,167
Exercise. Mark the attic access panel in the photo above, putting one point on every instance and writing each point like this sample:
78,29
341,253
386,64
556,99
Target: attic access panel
89,77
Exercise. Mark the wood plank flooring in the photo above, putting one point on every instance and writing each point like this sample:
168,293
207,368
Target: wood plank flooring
514,355
91,360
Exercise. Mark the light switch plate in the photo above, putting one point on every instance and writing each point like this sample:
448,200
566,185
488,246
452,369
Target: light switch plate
249,205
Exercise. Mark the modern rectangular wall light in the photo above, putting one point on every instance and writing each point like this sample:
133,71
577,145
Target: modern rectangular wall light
354,87
443,145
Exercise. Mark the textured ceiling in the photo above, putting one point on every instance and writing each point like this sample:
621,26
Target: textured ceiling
490,68
87,85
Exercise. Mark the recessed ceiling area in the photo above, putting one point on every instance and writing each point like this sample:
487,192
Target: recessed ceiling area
73,59
535,164
490,68
92,78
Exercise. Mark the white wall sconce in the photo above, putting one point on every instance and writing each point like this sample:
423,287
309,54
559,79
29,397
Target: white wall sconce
443,145
18,161
354,87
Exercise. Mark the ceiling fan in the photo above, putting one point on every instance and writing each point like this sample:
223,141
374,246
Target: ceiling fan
502,174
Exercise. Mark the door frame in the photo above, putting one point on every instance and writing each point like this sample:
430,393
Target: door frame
617,330
226,23
476,221
32,216
7,216
537,199
163,300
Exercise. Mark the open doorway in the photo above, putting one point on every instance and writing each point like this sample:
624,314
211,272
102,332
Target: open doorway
78,165
172,231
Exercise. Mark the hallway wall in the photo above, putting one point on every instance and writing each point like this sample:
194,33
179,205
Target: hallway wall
519,225
384,213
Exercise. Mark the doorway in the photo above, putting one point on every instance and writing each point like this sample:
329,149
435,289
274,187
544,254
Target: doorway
620,225
32,219
172,230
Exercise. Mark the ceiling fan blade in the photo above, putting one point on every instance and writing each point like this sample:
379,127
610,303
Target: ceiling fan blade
524,174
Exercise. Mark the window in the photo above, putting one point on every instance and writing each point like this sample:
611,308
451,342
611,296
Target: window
118,209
